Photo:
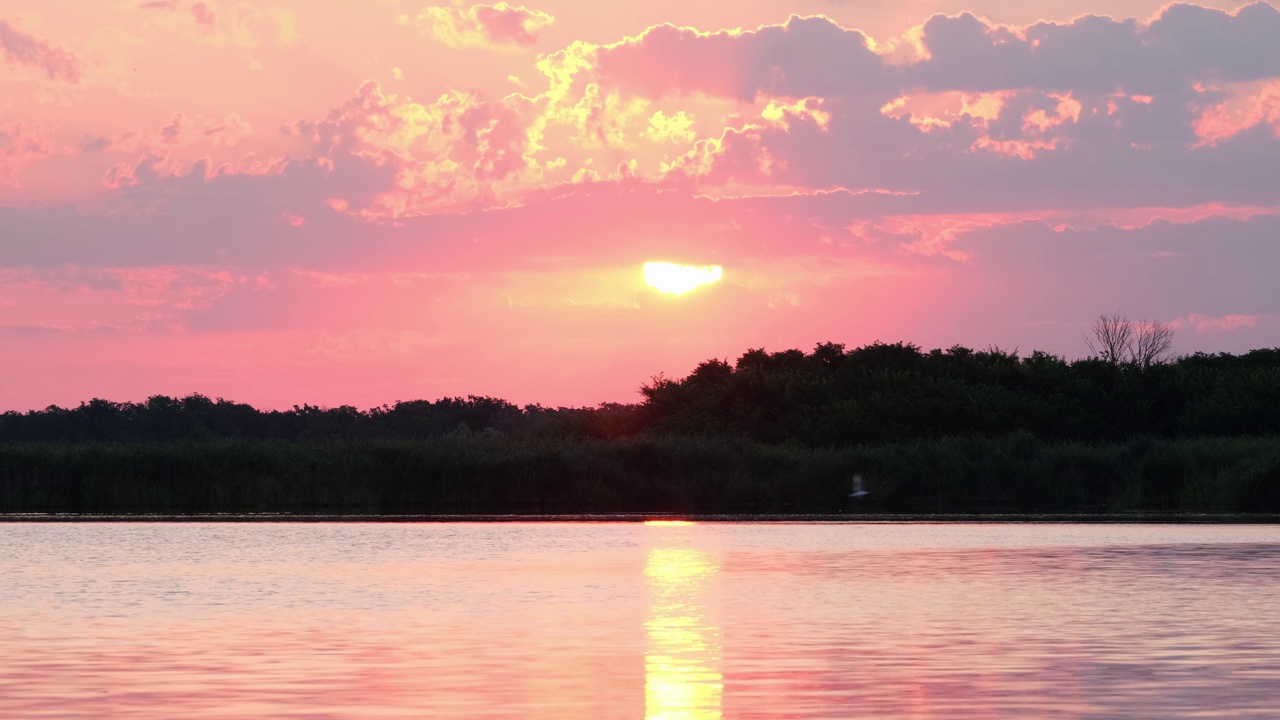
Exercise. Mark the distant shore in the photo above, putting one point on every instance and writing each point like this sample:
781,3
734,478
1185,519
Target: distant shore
935,434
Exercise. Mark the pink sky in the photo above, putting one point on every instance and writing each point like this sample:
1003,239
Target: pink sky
283,202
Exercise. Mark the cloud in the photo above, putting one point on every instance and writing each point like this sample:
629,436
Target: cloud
1230,118
1161,270
676,128
181,130
1224,323
200,216
26,49
241,24
1094,111
808,106
813,56
462,149
804,57
20,145
1181,45
150,168
484,25
204,17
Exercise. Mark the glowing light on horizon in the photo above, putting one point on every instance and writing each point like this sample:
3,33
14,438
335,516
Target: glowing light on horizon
668,523
675,279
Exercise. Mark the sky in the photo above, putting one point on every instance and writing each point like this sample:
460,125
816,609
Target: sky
285,201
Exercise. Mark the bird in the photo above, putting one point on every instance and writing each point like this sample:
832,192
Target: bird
858,490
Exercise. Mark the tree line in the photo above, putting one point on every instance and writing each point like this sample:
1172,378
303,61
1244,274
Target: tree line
829,397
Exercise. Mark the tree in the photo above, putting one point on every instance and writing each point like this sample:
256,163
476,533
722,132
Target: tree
1117,339
1152,340
1111,338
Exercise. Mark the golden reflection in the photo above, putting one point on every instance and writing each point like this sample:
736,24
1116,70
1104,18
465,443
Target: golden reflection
682,663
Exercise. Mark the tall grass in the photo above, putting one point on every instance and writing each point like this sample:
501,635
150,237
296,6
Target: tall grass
478,474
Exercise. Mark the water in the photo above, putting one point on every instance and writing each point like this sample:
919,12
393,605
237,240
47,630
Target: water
599,620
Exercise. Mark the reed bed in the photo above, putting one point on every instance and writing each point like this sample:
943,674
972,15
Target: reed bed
485,474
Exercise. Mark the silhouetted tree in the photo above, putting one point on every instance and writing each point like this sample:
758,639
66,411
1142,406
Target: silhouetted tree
1110,337
1116,339
827,397
1151,342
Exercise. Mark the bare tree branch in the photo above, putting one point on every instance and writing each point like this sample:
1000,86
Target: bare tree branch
1117,339
1110,337
1152,341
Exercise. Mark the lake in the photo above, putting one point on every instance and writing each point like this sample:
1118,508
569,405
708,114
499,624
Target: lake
632,620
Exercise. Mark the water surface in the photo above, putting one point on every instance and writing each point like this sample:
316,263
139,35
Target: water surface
629,620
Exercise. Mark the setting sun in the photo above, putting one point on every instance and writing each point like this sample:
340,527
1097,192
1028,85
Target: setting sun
678,279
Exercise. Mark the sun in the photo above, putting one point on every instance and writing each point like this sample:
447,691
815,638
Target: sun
679,279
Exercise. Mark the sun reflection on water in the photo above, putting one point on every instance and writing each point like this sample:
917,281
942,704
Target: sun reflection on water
682,663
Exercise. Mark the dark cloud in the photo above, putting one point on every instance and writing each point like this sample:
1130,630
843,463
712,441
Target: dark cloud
806,56
1184,44
24,48
813,56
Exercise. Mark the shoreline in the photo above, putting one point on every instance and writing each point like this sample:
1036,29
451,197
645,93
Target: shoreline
1193,518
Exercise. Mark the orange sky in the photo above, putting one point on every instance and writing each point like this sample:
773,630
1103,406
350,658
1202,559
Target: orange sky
289,202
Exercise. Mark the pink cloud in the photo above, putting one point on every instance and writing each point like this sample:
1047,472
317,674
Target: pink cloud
1030,149
1082,156
1092,111
451,153
170,133
1223,323
201,13
1228,119
484,25
181,130
204,16
150,168
26,49
515,25
20,145
243,24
